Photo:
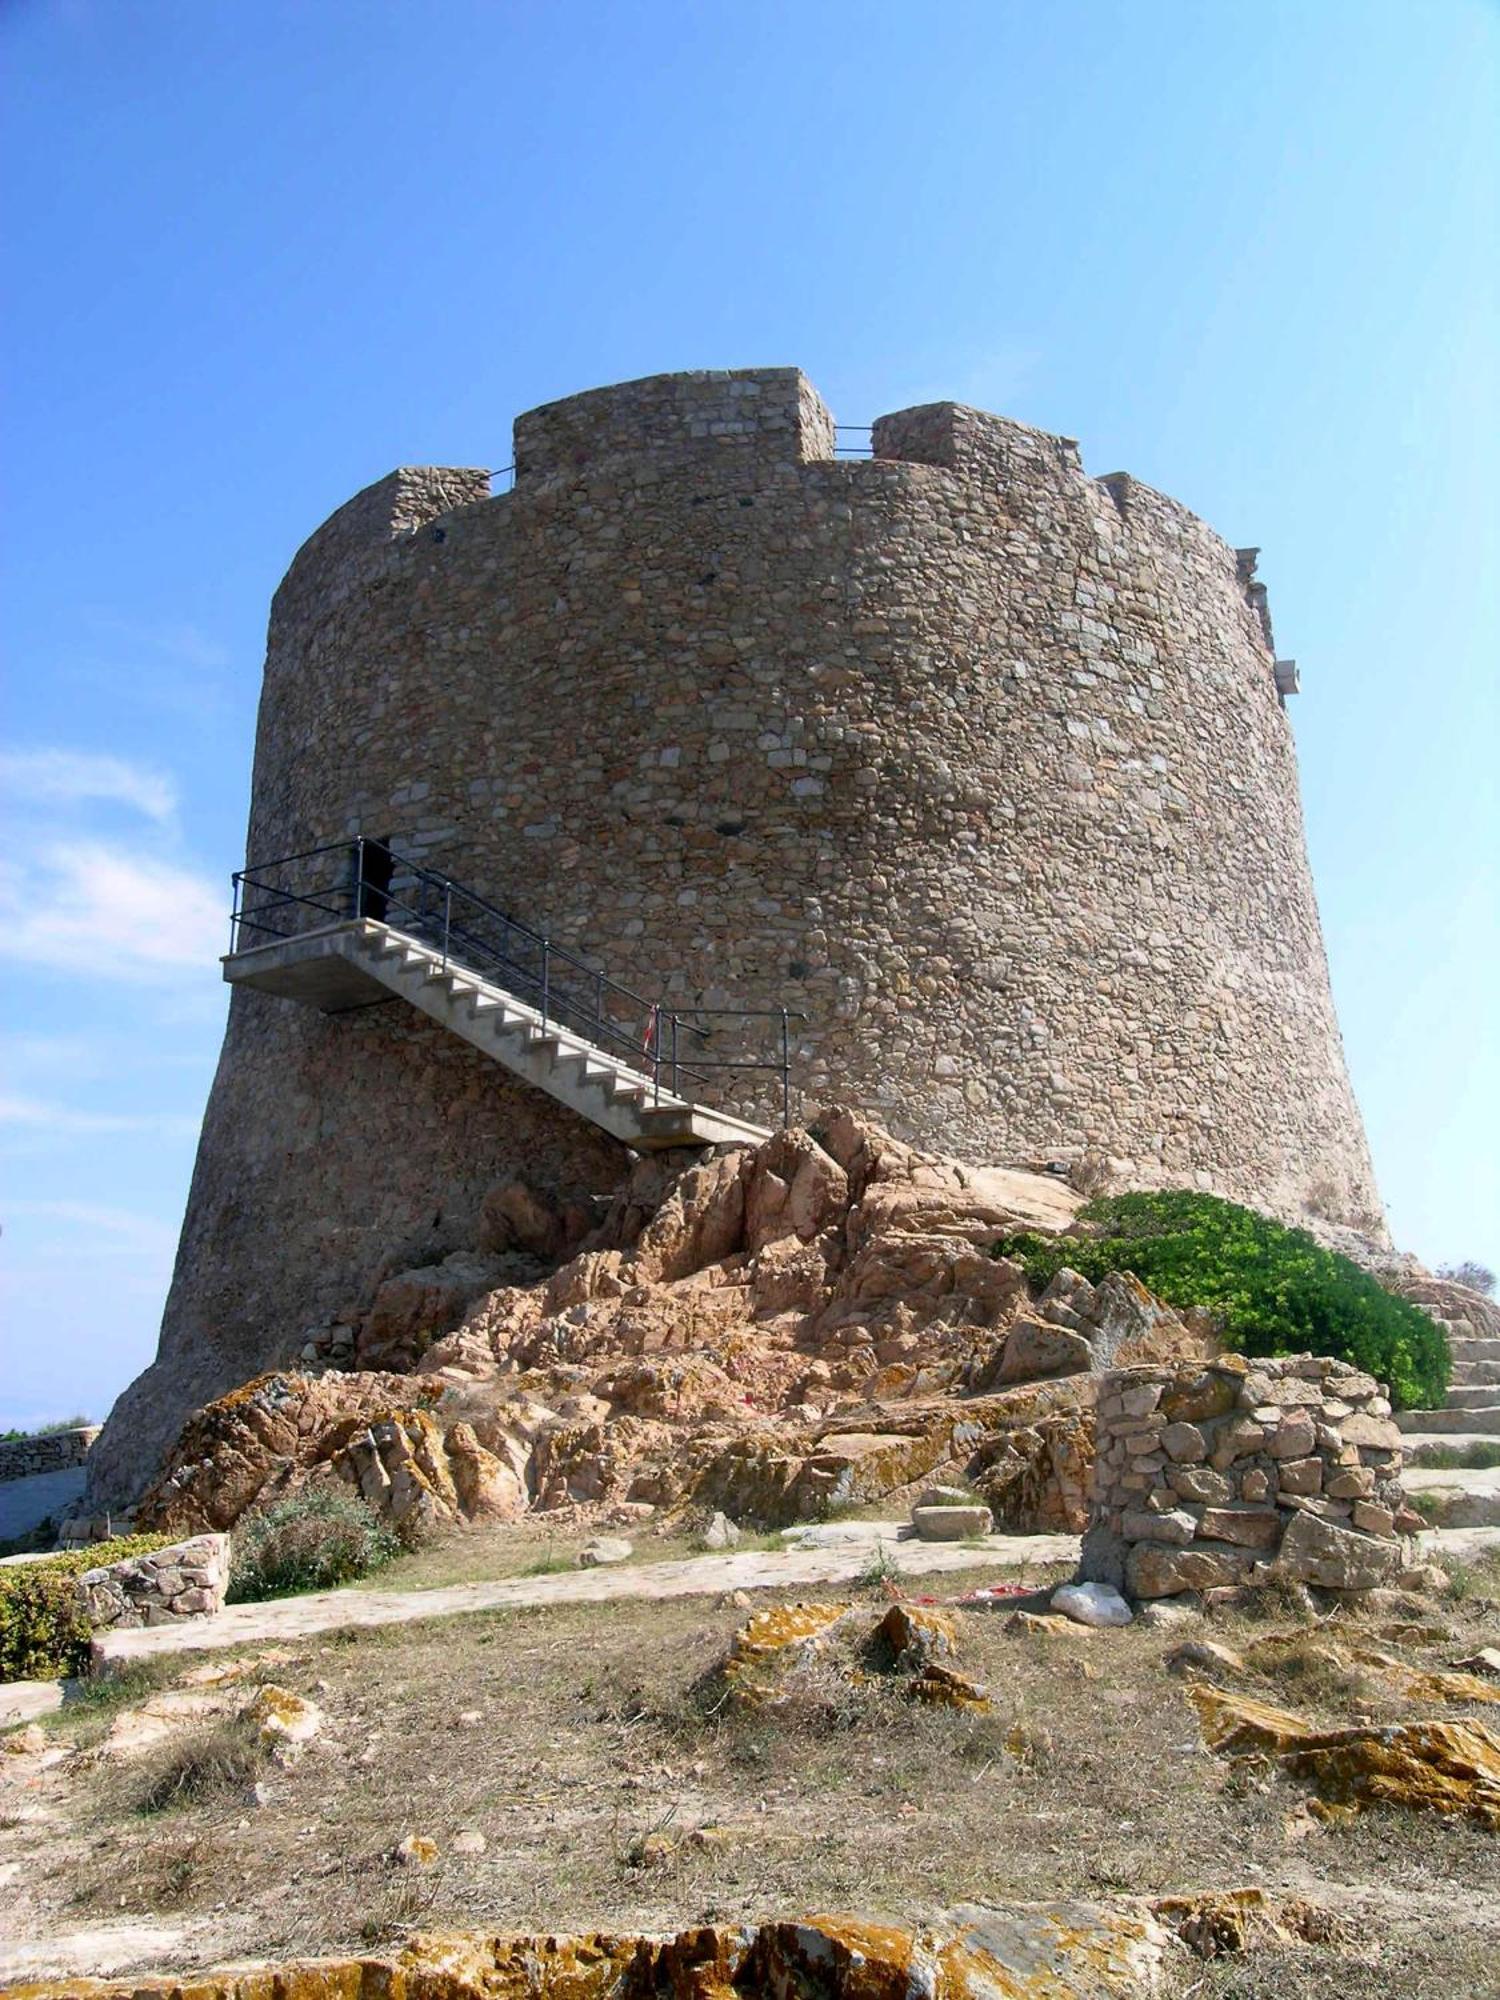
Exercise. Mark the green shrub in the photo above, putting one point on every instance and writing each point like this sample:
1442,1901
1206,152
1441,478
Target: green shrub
1272,1289
44,1630
311,1541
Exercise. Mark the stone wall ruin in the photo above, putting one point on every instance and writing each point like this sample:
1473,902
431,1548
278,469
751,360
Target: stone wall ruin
1245,1471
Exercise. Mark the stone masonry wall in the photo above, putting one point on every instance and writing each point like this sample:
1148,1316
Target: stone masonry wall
54,1451
1240,1470
187,1580
973,759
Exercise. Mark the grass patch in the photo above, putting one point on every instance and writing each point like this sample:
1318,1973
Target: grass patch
1481,1456
217,1760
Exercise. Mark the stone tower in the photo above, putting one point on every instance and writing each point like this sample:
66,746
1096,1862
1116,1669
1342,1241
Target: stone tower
976,761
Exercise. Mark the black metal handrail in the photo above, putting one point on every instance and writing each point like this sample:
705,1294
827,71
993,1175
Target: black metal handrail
865,450
370,879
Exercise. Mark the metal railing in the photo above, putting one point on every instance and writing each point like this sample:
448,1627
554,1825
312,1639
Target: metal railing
368,878
843,449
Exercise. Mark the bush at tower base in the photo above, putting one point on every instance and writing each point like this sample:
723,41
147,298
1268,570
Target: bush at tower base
1272,1289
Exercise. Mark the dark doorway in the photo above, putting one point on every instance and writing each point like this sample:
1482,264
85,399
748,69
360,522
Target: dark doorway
373,866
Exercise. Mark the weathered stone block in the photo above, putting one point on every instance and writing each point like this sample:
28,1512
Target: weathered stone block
1184,1444
1153,1569
1248,1527
1300,1475
1336,1557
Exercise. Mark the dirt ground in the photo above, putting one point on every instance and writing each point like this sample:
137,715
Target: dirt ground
612,1787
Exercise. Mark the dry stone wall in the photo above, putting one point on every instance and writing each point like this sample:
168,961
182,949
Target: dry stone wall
974,760
1239,1471
52,1451
187,1580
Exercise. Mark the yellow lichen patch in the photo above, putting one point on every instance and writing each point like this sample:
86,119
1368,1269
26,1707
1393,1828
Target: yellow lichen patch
286,1721
944,1687
1018,1951
1241,1727
1232,1920
1427,1683
769,1647
1447,1767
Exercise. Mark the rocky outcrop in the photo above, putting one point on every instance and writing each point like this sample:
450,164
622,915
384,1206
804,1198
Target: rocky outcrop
1061,1950
774,1332
819,1657
1444,1767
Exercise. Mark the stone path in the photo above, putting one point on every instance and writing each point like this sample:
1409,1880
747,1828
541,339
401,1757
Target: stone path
834,1555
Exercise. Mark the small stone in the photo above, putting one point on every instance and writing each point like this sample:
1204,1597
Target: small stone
721,1533
1167,1614
1373,1519
1204,1656
1255,1484
605,1549
469,1841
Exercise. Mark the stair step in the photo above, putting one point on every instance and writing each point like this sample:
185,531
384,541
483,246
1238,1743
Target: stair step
1482,1422
1474,1350
1473,1396
1468,1372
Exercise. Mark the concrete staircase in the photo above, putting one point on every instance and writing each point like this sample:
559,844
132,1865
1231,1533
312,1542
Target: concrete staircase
342,966
1471,1411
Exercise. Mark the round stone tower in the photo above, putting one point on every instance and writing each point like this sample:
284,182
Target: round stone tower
976,762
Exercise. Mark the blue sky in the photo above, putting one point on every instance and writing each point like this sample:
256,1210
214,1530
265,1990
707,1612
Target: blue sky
261,254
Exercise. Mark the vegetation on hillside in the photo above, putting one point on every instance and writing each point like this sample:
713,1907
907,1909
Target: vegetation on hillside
311,1541
1273,1290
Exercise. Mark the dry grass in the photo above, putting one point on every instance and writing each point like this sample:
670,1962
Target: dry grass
214,1763
576,1740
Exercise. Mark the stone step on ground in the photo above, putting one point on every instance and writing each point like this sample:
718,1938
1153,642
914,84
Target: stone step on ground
1471,1396
1456,1498
1484,1422
1475,1350
1465,1372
